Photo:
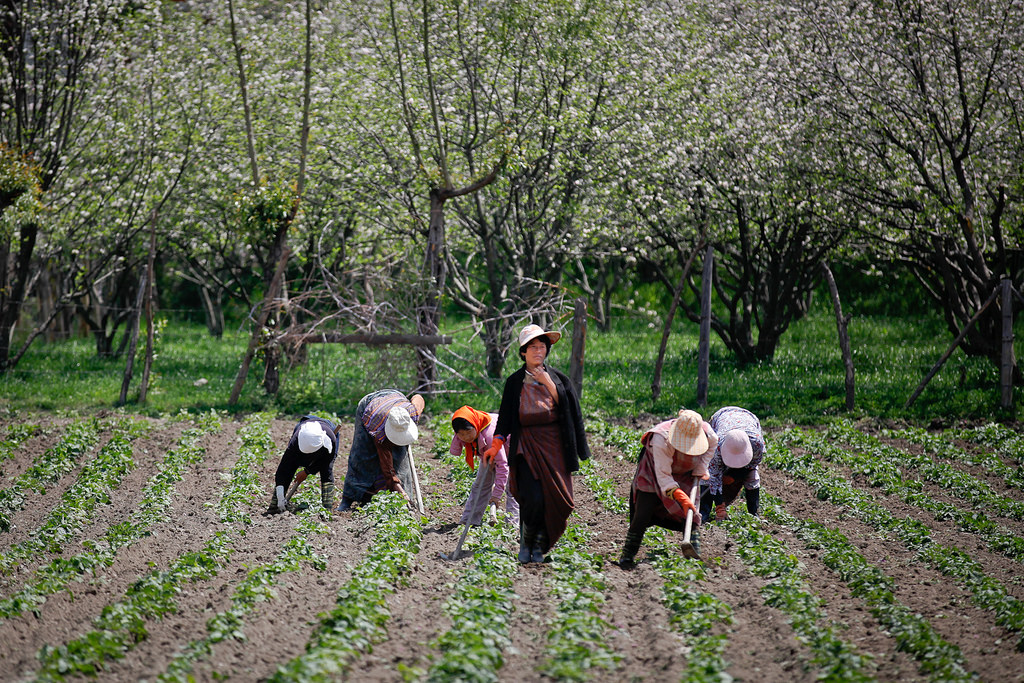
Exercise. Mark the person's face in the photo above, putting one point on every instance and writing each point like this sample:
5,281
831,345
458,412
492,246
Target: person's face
467,435
536,351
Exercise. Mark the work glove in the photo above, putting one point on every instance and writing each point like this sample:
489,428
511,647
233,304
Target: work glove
327,494
684,500
492,450
721,512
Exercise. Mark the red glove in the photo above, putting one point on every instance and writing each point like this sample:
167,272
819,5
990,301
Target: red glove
469,456
492,450
684,500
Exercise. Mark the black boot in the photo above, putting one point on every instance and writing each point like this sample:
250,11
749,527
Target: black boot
537,550
627,560
527,539
753,500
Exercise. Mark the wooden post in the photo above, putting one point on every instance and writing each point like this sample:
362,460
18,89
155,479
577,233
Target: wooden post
1008,361
704,348
842,323
148,365
133,330
579,343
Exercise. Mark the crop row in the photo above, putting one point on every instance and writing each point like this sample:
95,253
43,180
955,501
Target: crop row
17,434
360,615
787,591
96,480
884,464
694,613
121,626
937,658
79,438
943,445
987,592
156,500
480,606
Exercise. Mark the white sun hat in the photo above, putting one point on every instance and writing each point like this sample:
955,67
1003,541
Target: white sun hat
400,428
736,449
312,437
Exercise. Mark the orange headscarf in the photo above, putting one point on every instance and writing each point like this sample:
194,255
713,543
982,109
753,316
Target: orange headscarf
479,419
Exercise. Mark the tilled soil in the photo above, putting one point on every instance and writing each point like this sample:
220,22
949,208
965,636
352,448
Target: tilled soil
761,644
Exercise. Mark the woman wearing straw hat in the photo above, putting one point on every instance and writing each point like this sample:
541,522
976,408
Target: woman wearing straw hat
734,465
541,421
674,458
379,457
313,446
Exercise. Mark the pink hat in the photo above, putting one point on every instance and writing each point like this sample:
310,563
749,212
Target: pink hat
735,448
531,332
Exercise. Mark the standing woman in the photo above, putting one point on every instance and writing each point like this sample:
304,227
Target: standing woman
541,420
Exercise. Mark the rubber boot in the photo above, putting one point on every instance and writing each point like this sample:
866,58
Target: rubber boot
695,540
627,560
536,550
753,500
527,539
327,494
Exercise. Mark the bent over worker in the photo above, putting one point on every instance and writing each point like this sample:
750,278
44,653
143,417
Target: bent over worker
313,446
379,458
734,465
675,456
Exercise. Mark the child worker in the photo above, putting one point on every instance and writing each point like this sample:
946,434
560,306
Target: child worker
675,456
474,432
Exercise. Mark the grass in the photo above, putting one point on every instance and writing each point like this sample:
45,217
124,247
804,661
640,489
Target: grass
804,383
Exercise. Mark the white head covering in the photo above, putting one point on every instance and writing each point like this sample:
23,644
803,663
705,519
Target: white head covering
400,428
312,437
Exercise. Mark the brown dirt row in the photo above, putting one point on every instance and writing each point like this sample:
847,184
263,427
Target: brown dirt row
761,644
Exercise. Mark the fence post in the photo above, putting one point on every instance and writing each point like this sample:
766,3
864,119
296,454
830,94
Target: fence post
1006,366
579,343
704,347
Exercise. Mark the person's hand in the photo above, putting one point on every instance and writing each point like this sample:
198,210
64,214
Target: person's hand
721,512
726,479
399,489
492,451
684,500
494,501
706,476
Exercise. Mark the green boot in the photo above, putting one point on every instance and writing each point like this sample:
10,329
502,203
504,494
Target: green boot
627,560
537,550
527,539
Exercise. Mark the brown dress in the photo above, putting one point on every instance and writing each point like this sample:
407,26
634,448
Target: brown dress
540,446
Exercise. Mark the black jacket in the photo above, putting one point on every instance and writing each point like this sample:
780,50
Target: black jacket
570,418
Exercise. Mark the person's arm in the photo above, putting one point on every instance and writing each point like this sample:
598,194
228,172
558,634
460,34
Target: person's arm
500,475
387,466
542,375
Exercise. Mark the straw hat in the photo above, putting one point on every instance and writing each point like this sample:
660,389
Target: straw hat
687,433
312,437
531,332
735,448
400,428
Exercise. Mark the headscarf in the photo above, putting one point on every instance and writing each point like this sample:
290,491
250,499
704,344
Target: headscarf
479,419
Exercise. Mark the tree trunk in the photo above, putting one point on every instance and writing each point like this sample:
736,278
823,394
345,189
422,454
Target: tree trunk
429,316
10,306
